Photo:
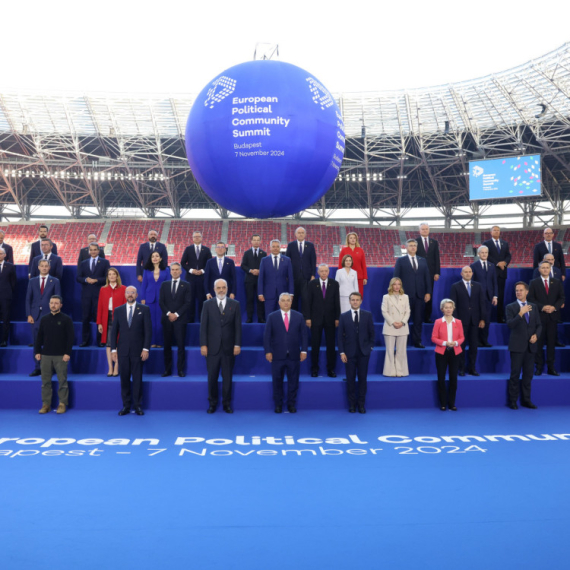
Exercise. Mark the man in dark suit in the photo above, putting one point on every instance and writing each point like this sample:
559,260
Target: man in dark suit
220,343
555,273
131,336
250,266
321,309
174,300
40,289
285,341
194,261
524,322
275,277
84,251
92,275
428,248
7,287
470,310
552,247
304,260
56,263
7,248
220,267
500,257
548,295
147,249
414,273
356,339
484,273
36,249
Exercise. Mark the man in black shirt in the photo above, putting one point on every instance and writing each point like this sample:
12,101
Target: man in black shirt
53,348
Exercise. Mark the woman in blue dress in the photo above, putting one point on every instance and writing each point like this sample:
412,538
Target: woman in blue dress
155,273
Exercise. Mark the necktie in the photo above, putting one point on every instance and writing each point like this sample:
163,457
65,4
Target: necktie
43,285
546,285
498,245
356,321
324,290
469,288
426,244
221,306
220,266
301,249
286,321
130,315
549,247
174,283
1,267
485,266
526,315
255,253
45,256
151,247
92,265
414,264
275,263
197,252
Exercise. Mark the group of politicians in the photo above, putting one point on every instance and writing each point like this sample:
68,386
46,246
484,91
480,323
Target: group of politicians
291,295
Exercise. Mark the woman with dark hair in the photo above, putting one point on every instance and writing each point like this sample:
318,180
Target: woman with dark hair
155,273
353,249
347,280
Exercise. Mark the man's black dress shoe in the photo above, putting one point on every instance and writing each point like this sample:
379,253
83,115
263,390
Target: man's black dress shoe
461,373
3,344
211,409
419,345
125,411
166,373
486,345
513,406
474,373
314,374
553,372
249,321
139,412
538,372
428,322
292,409
31,344
501,321
361,410
36,372
228,409
331,374
352,410
443,408
181,374
262,321
559,344
453,408
278,409
529,405
102,344
83,345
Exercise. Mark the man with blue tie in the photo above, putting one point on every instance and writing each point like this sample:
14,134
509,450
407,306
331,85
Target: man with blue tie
413,271
555,273
7,287
356,339
40,290
304,261
286,342
194,261
485,274
220,267
146,250
36,250
92,275
131,336
500,256
56,263
275,277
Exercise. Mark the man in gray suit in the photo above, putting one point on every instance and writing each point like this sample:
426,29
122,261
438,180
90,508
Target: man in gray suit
220,343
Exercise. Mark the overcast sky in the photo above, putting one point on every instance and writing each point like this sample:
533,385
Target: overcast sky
178,47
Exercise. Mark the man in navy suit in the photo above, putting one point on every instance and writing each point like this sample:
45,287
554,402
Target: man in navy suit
92,275
555,273
428,248
36,250
56,264
356,339
194,261
220,267
220,343
84,251
470,310
524,322
413,271
131,336
40,289
250,266
285,341
7,248
500,257
304,260
552,247
147,249
485,274
275,277
7,287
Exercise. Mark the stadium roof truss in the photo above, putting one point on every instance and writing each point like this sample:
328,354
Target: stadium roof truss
100,153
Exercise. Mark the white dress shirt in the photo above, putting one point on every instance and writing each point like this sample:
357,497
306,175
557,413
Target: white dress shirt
449,332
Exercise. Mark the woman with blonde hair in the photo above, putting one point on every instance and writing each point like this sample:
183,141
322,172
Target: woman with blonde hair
353,249
111,296
396,313
347,280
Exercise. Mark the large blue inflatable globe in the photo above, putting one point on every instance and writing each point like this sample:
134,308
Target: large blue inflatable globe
265,139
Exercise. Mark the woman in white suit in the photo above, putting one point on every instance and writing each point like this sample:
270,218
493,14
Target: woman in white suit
396,313
347,281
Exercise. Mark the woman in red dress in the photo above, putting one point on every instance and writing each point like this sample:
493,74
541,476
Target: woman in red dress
353,249
110,297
